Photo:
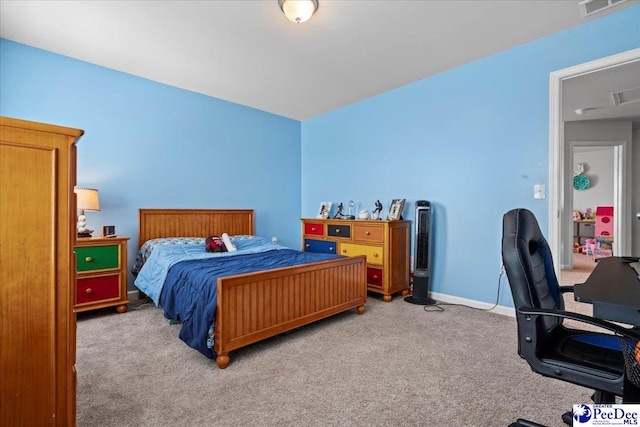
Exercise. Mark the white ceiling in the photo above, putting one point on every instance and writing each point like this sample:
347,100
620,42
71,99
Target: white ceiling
247,52
593,93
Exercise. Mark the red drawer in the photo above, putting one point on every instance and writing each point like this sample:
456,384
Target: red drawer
314,228
92,289
374,277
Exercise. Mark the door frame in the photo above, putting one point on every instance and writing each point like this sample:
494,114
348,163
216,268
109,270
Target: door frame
558,158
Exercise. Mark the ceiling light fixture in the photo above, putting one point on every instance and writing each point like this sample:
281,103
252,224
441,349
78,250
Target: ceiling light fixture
298,11
581,111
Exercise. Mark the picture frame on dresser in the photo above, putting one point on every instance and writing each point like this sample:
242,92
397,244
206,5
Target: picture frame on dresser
108,231
395,209
324,211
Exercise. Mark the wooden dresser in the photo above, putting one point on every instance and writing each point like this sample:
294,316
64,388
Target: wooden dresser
37,275
384,243
102,273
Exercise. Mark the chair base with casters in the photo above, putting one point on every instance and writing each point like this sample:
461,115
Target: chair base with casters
589,359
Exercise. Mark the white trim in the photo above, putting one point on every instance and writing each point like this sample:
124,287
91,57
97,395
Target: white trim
623,159
557,145
500,309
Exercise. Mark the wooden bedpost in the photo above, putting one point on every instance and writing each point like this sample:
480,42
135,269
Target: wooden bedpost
222,360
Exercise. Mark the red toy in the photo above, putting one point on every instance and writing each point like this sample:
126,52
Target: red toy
214,244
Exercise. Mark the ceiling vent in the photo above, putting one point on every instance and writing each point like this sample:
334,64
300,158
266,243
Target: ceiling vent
589,7
626,96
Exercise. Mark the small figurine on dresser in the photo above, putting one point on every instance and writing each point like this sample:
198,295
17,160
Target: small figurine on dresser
350,215
376,212
339,214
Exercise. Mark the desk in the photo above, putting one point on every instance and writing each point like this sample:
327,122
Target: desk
614,290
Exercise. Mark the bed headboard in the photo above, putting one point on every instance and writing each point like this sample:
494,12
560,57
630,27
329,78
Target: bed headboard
154,223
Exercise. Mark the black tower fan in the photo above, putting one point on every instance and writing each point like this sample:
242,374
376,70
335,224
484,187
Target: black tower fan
422,256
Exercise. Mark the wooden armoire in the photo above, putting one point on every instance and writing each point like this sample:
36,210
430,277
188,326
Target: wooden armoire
37,274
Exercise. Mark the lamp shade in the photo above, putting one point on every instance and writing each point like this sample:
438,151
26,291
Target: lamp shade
298,11
87,199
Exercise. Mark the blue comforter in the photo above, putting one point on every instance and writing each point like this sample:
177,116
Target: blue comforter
190,289
167,252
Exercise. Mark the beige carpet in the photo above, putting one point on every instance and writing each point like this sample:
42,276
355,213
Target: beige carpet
395,365
583,265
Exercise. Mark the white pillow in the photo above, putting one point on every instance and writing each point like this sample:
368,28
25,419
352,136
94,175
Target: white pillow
228,243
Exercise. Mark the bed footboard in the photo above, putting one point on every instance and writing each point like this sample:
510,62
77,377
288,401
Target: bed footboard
255,306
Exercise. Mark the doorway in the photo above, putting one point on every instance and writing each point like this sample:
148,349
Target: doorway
607,157
560,216
597,161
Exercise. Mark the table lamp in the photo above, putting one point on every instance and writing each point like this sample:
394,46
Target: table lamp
87,200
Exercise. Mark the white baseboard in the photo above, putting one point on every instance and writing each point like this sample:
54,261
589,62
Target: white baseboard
500,309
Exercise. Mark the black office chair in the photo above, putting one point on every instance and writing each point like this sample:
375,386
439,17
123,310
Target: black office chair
590,359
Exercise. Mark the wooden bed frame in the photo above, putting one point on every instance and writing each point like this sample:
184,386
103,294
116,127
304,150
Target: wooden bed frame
256,306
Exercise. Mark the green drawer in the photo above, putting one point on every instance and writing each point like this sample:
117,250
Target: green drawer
97,258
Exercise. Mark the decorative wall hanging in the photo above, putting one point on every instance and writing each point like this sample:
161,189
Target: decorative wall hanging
578,168
580,182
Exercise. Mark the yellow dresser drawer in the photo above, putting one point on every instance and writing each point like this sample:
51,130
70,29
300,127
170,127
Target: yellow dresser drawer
369,232
373,253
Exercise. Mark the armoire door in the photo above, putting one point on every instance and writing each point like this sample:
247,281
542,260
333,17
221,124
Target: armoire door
37,323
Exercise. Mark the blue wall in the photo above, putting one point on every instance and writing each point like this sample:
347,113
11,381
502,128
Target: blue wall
473,140
149,145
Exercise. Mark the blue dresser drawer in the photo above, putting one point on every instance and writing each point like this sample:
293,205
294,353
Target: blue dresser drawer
322,246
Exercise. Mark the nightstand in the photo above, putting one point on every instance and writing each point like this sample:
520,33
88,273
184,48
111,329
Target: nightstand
101,279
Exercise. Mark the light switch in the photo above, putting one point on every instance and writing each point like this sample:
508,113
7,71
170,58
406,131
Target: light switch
538,191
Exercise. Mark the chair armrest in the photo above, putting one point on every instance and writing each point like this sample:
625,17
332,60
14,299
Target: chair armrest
565,289
627,332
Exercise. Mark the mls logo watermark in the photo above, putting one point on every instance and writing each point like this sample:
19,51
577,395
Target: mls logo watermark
606,415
